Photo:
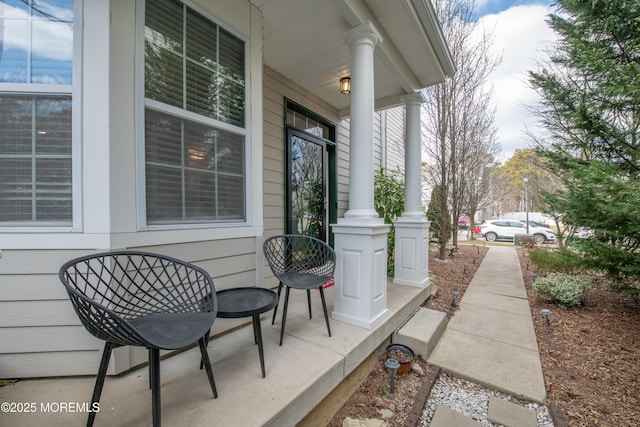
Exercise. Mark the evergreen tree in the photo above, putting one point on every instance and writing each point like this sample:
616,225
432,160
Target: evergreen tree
591,111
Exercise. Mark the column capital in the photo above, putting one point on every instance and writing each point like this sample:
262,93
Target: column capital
364,33
413,98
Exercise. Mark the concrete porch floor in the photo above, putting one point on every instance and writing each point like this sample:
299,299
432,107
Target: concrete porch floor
299,375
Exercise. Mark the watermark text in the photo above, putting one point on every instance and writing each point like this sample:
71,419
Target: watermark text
49,407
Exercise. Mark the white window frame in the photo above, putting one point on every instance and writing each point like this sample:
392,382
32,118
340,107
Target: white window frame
75,90
142,103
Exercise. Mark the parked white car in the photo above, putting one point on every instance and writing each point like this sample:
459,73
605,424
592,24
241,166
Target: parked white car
584,233
503,229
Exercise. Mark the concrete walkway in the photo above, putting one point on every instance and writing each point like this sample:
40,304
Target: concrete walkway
491,339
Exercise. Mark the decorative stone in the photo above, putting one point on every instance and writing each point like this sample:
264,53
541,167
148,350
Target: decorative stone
368,422
434,291
447,417
474,401
350,422
510,414
417,369
385,413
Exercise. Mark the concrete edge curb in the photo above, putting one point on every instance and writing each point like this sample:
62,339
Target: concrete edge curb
421,399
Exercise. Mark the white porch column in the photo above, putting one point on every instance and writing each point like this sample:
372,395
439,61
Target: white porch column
413,156
362,41
360,293
412,228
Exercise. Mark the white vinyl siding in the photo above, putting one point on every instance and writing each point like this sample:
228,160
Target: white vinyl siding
393,138
42,333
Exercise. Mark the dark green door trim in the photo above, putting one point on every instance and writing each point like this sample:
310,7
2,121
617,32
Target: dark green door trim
330,169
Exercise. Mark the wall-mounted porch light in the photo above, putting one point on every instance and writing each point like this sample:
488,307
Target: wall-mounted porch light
345,85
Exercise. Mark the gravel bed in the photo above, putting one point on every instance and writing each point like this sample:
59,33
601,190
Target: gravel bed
472,400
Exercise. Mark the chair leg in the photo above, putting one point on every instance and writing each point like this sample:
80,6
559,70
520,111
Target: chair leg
151,372
202,342
324,307
102,373
154,372
284,313
275,309
309,301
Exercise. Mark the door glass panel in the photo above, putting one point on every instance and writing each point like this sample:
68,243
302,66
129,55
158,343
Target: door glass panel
310,208
307,187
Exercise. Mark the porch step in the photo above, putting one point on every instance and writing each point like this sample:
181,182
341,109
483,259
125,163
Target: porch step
422,332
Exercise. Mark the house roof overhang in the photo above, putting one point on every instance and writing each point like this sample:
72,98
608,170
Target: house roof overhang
305,40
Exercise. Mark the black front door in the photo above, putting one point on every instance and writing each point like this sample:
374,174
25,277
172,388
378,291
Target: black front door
306,185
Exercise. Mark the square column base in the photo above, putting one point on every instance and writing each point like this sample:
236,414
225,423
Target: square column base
360,292
412,252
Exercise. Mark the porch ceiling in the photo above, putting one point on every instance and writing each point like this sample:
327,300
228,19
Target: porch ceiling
304,40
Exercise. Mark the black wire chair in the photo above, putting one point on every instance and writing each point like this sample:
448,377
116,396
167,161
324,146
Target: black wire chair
299,262
142,299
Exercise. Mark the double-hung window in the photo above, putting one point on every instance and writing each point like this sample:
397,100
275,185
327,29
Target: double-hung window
36,77
194,118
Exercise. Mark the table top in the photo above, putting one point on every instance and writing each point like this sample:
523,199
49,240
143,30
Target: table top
245,301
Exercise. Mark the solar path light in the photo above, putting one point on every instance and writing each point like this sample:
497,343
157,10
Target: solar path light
547,315
456,295
392,366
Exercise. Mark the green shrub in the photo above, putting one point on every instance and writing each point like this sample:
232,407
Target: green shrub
389,204
557,260
563,289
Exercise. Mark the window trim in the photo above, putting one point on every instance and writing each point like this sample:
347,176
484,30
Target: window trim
75,90
141,103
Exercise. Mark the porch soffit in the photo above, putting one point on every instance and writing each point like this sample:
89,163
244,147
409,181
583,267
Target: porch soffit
305,40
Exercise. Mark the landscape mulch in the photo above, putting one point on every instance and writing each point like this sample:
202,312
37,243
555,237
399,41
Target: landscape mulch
590,355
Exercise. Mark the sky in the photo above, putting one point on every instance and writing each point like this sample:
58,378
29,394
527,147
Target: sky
520,35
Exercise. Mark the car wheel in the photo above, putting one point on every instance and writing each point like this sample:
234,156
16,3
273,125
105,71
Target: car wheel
491,237
539,238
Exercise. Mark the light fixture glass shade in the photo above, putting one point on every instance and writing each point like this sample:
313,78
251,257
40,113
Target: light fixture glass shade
345,85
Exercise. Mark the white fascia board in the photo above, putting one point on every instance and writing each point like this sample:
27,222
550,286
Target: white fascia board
434,35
